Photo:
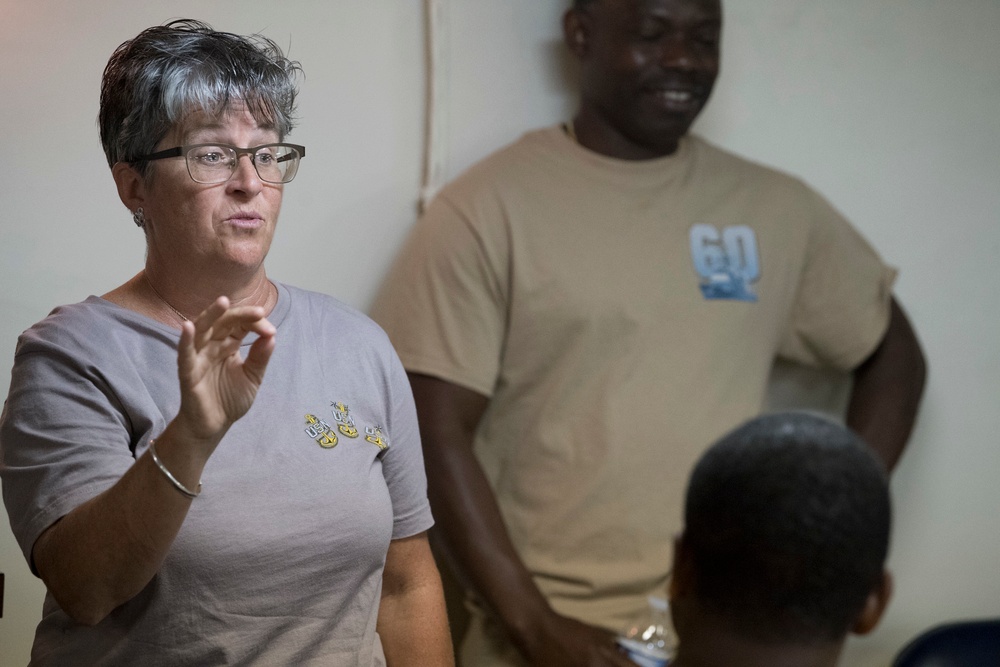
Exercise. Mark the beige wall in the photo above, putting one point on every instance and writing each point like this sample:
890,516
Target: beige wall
890,109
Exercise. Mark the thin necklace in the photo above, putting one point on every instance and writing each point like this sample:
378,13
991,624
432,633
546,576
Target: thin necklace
165,302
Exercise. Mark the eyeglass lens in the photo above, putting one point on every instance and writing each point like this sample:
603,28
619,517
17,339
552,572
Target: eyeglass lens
274,163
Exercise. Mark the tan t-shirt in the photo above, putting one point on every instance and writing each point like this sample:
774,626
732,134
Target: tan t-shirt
620,316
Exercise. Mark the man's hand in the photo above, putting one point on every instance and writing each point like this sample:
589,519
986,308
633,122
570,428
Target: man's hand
565,642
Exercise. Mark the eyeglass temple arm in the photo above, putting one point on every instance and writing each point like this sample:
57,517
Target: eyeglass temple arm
301,150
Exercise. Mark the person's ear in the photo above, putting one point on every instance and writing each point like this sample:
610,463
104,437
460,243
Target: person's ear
682,592
682,574
875,605
575,32
131,185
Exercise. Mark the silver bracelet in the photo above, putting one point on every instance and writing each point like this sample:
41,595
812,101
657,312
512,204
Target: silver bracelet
173,480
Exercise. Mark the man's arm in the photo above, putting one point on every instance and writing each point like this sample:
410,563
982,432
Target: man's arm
887,390
471,532
412,621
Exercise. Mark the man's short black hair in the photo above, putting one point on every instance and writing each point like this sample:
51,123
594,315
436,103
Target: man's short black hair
787,522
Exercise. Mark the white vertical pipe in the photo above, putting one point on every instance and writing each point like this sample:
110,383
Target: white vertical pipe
436,135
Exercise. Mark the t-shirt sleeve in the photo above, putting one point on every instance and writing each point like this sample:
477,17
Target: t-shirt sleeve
444,301
403,463
842,306
63,438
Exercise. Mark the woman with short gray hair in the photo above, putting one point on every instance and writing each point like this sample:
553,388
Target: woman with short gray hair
181,508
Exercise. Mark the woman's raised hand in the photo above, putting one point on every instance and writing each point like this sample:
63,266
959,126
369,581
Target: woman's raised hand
218,386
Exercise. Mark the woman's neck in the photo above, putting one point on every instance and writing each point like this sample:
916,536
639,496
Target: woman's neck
191,294
172,300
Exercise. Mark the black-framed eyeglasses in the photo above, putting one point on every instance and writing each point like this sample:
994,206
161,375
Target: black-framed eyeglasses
216,163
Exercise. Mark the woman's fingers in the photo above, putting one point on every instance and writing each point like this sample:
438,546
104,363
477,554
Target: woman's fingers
215,337
260,354
205,321
218,385
220,322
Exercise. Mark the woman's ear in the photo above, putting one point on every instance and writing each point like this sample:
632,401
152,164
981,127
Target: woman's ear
875,605
131,185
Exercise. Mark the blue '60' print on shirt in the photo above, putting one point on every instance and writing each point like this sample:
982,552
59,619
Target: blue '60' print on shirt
726,262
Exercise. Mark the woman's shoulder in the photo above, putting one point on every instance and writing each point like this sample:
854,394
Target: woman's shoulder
328,310
88,327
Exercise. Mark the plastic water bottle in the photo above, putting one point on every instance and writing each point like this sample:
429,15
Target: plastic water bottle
649,640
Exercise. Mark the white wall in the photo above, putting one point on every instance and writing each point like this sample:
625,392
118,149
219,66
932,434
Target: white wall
890,109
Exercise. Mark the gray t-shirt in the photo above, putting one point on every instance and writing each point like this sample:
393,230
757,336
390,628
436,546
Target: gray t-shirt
280,559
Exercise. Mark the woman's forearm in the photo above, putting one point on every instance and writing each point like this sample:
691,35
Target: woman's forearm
105,551
412,620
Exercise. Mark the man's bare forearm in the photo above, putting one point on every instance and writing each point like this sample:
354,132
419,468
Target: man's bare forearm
887,389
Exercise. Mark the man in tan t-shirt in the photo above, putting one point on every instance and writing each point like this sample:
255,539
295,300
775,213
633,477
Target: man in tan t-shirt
585,311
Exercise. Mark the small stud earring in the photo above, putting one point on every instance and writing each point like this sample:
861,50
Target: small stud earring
139,218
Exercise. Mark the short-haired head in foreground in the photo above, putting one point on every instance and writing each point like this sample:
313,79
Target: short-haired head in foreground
153,81
787,522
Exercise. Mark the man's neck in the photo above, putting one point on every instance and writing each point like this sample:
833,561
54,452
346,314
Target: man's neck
592,131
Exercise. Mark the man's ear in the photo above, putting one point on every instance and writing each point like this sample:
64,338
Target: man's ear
682,574
682,592
131,186
875,605
576,32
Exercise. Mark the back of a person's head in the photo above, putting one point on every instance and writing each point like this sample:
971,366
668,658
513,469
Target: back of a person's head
787,523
